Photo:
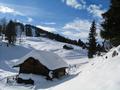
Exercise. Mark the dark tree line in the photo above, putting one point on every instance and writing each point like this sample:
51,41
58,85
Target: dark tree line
43,33
10,31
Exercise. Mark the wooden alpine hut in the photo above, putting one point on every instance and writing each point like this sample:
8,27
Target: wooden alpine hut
42,63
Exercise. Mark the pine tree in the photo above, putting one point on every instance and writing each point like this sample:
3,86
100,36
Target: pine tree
28,30
81,44
92,41
3,23
111,24
10,32
37,34
0,30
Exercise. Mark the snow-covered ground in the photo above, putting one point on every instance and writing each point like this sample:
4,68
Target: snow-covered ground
10,55
100,73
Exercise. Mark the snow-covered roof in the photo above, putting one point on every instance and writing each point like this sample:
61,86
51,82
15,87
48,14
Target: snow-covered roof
51,60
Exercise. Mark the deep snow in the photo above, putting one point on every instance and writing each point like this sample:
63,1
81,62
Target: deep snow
10,55
100,73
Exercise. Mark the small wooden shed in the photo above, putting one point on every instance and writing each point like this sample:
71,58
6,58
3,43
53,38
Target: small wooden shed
42,63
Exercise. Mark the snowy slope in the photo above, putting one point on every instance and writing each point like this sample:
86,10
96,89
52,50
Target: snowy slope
56,47
9,55
99,74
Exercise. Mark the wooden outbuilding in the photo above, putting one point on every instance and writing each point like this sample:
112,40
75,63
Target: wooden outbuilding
42,63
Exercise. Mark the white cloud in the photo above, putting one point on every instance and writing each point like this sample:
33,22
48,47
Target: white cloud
95,10
78,25
30,19
75,4
50,29
74,35
7,10
77,29
4,9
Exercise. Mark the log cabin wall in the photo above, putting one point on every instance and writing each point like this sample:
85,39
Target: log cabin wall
33,66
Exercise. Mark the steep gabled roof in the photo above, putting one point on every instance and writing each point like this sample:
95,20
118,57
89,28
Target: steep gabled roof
51,60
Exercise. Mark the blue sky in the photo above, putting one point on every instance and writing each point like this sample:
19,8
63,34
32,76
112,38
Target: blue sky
71,18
